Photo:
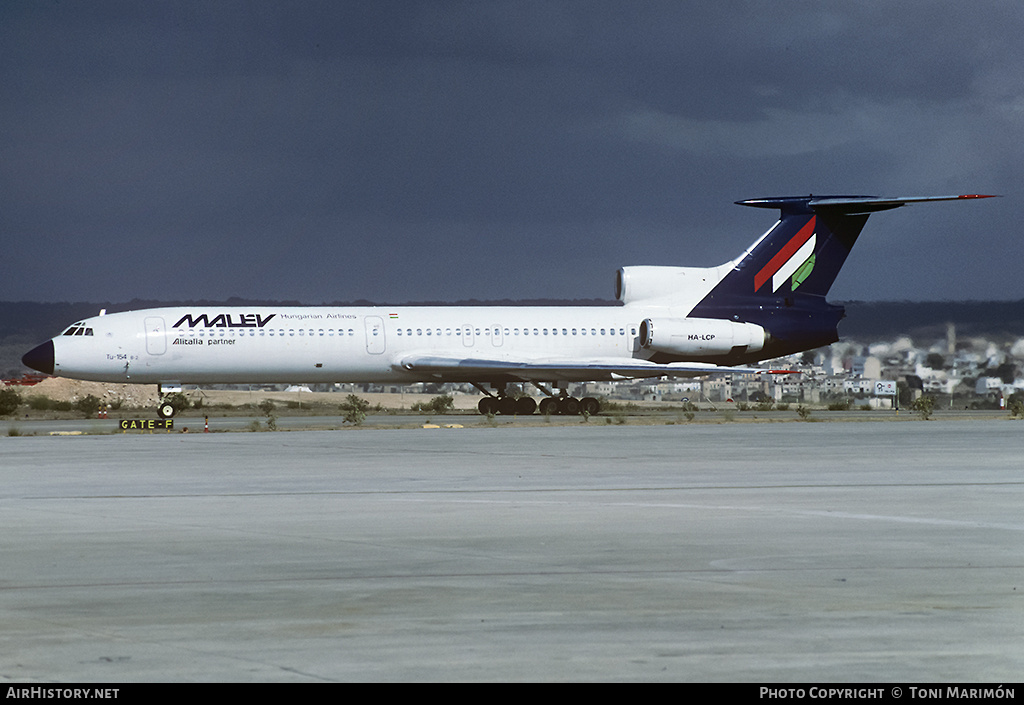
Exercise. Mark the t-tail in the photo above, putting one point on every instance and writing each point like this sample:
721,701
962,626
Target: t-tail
780,283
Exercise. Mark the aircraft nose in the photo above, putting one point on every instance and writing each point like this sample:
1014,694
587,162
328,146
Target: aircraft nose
40,358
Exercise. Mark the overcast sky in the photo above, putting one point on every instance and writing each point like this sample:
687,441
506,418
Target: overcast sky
412,151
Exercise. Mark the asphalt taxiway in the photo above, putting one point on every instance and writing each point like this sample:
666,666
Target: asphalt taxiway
775,552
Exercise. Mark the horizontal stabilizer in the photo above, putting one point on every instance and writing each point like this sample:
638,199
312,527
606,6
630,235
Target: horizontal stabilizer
850,205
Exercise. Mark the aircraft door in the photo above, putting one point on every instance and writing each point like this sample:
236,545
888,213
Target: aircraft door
375,342
156,342
467,335
496,337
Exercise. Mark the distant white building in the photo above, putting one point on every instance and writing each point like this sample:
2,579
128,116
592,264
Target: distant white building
985,385
859,386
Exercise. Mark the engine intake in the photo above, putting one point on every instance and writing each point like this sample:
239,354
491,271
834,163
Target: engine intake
700,336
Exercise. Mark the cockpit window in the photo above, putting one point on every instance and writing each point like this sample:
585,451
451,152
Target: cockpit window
78,329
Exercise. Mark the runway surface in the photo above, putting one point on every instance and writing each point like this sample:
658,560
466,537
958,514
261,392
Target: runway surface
776,552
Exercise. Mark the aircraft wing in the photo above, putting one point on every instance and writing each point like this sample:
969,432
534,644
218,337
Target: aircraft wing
549,369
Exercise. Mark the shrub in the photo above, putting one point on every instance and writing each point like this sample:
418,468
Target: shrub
38,402
1016,406
353,409
88,405
10,400
267,407
438,405
924,406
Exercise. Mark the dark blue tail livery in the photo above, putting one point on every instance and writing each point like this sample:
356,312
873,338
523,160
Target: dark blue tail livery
781,282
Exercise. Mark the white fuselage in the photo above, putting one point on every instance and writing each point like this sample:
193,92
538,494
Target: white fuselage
332,344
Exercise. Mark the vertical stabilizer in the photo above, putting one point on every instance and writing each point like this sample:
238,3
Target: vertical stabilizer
781,282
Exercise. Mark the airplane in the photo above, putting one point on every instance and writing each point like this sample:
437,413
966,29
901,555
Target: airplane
672,322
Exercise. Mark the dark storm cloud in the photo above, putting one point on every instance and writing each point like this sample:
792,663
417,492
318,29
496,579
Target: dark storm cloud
444,150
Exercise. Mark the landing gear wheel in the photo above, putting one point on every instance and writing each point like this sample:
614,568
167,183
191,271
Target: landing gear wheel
589,406
165,410
548,406
570,406
525,406
488,406
507,406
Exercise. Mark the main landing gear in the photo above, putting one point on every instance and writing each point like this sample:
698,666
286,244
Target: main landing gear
507,406
501,402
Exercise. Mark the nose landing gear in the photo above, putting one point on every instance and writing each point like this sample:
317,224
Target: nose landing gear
166,408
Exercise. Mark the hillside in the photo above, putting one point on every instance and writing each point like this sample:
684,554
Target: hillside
885,320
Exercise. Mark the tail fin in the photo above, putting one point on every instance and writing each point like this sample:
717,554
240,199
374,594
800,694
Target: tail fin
809,245
780,283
